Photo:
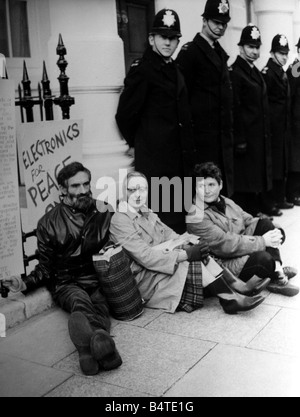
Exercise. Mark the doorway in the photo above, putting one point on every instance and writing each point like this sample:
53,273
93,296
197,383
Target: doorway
135,18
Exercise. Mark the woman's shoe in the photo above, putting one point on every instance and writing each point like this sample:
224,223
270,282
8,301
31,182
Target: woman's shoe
245,304
254,286
231,301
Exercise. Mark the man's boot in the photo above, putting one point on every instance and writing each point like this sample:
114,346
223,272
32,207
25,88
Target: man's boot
104,350
81,334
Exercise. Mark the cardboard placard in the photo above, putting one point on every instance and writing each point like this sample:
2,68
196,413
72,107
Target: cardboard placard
44,149
11,253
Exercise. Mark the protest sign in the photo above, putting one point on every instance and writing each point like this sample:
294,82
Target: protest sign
11,253
2,66
44,149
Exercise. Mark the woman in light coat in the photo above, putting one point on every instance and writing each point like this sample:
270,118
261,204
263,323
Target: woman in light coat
171,279
246,245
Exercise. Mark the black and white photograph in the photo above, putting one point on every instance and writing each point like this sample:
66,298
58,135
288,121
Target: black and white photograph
149,201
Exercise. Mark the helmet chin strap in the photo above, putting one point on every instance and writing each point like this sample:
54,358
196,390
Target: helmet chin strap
279,63
158,51
246,55
216,34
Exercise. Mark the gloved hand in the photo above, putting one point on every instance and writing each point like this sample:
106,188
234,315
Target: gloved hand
199,252
241,149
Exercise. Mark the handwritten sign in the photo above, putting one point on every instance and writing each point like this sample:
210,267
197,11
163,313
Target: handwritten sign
11,254
44,149
2,66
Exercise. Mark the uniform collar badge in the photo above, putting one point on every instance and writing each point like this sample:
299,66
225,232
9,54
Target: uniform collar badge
169,19
223,7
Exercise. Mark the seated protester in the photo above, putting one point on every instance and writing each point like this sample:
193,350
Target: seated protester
67,237
248,246
170,280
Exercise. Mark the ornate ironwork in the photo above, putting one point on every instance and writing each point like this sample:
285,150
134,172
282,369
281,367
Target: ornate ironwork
47,95
65,101
26,101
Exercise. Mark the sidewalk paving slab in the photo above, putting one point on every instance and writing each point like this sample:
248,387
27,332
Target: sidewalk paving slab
230,371
203,354
88,387
22,378
152,362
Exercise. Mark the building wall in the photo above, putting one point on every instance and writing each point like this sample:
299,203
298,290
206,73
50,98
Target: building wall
96,59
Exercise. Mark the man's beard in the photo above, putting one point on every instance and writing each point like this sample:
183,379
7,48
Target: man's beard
81,202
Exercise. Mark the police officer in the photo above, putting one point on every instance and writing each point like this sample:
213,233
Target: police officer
204,65
293,183
153,115
251,128
279,102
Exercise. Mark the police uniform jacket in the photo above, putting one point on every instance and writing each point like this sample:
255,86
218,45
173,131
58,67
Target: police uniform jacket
153,117
279,103
67,240
210,95
253,168
294,159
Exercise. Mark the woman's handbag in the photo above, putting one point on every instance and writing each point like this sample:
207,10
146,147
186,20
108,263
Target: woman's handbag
118,285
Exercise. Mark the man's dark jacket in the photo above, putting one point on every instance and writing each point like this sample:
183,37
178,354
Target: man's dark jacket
210,94
67,240
279,102
153,117
253,169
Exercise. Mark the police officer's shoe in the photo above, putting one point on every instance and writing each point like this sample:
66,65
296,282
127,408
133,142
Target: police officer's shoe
81,334
273,211
104,350
295,201
285,205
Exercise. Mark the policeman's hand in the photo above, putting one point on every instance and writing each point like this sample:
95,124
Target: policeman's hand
241,149
199,252
14,283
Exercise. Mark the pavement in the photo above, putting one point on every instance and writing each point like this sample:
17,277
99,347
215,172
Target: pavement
203,354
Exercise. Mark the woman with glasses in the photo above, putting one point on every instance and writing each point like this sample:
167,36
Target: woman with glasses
172,270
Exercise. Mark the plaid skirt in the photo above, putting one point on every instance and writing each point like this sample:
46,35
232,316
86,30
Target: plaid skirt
192,296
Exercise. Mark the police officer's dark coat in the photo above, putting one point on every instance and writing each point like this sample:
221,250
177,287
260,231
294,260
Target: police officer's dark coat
294,78
153,117
253,169
210,94
279,103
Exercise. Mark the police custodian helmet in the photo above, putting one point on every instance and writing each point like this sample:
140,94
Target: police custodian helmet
280,44
250,36
217,10
166,23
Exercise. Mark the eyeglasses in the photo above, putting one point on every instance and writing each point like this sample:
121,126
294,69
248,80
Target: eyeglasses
140,189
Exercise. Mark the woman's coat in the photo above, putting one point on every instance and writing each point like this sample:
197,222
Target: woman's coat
229,236
160,279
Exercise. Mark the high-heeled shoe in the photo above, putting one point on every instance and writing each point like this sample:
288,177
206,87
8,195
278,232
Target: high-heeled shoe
231,301
253,287
245,304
